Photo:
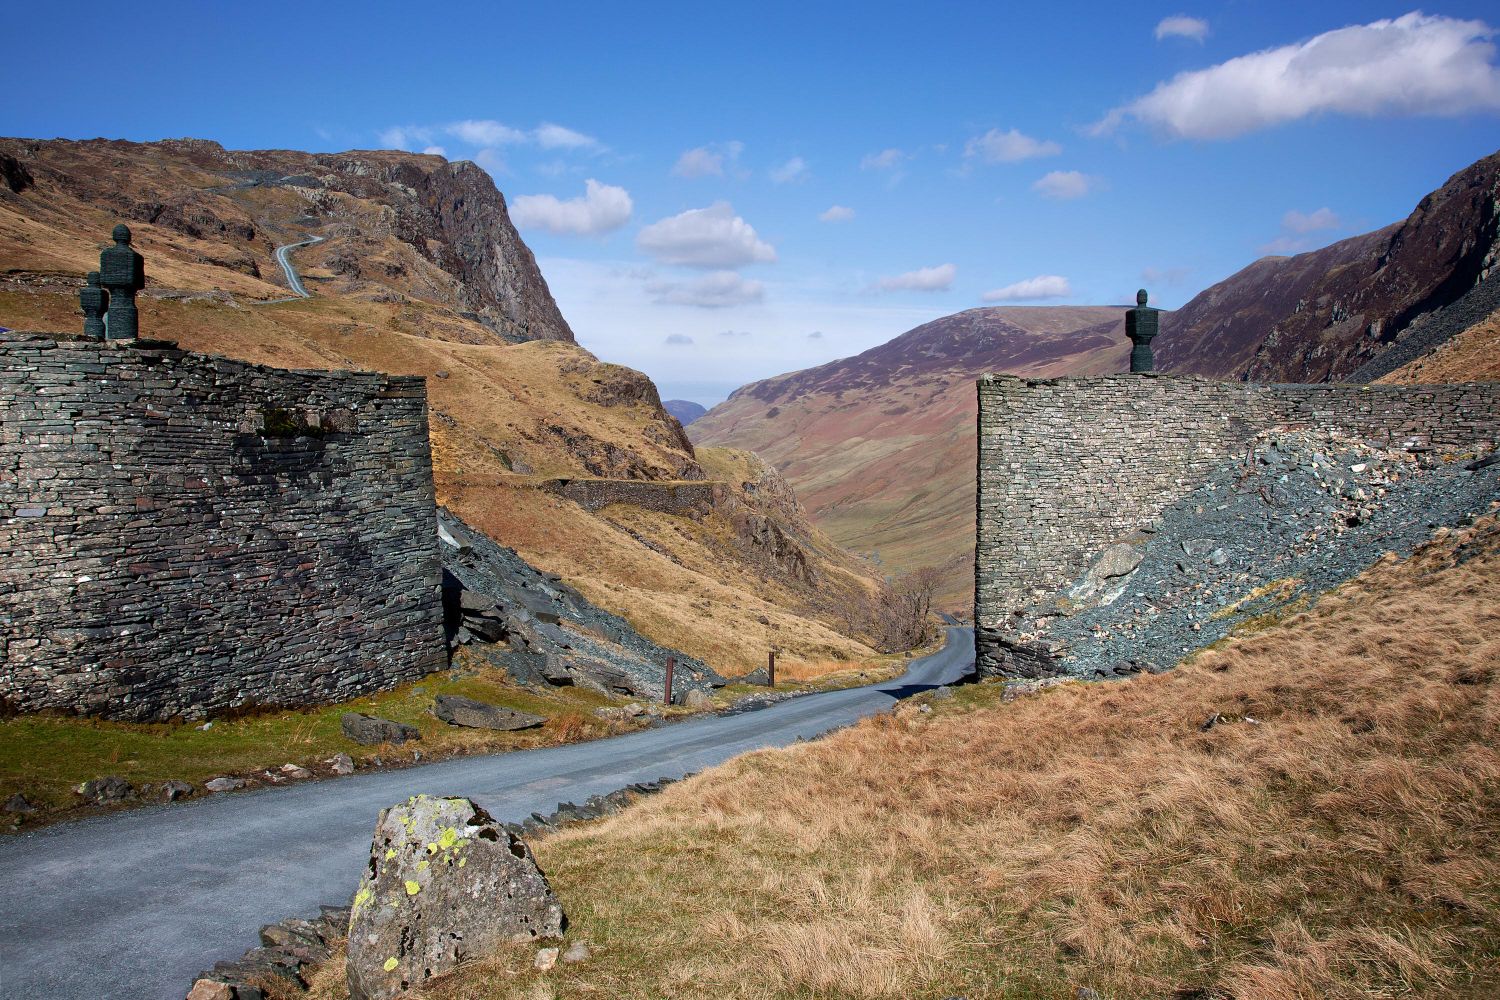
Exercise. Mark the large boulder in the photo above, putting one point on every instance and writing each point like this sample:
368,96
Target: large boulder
457,710
369,731
445,882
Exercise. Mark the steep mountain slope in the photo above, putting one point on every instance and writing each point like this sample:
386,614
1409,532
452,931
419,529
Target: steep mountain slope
397,227
685,410
881,446
724,577
1318,316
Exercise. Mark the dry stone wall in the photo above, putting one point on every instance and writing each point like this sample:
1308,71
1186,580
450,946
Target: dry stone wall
1067,466
182,534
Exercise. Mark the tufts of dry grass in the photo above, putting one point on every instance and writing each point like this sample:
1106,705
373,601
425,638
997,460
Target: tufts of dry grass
1332,836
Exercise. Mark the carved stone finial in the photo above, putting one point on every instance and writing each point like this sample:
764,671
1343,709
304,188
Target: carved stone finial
1140,326
95,301
123,273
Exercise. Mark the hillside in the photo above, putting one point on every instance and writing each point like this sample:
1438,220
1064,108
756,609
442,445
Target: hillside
421,273
1309,811
880,446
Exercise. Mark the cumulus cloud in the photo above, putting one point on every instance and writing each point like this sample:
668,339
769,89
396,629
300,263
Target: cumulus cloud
550,136
886,159
793,171
923,279
602,208
707,161
678,339
1308,222
1043,286
712,291
1065,185
996,146
836,213
1416,64
1182,26
487,132
705,237
435,151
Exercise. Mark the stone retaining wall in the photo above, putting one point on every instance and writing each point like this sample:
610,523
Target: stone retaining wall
182,534
1066,466
681,498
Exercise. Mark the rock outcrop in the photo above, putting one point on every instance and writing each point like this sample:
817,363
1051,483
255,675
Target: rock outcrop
445,882
369,731
457,710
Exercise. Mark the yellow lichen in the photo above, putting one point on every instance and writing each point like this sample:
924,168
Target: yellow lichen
412,888
390,964
422,866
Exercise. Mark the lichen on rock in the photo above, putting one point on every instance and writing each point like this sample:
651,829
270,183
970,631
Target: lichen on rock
445,882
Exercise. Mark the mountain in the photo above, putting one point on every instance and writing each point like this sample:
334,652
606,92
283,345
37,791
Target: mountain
880,447
685,410
421,273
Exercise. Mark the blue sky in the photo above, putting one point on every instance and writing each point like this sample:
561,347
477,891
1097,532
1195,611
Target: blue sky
718,192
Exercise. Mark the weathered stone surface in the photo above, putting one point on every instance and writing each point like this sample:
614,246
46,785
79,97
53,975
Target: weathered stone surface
18,805
696,700
182,534
224,784
545,959
171,791
578,951
211,989
457,710
1068,465
341,763
445,881
103,791
369,731
295,771
759,676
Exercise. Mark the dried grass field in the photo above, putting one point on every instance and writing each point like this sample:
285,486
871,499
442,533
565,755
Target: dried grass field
1341,844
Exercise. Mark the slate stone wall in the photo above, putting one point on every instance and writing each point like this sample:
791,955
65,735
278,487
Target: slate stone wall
668,498
1067,466
182,534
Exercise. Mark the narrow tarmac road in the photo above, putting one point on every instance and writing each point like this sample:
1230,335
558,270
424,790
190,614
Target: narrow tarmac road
135,904
282,258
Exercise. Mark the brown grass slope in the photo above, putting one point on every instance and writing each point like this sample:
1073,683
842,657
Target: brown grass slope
1473,355
880,447
1340,845
504,415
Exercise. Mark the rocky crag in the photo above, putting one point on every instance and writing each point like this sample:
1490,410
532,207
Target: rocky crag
1294,515
397,226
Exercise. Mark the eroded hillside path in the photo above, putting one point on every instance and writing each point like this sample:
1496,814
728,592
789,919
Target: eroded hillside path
135,904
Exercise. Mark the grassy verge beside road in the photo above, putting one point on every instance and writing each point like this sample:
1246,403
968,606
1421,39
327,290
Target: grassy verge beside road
1330,833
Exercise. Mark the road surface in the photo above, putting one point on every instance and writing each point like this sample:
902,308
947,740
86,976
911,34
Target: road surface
285,261
136,903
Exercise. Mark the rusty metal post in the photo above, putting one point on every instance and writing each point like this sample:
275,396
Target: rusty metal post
771,669
667,688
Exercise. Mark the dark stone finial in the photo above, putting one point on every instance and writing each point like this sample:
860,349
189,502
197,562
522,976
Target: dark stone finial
1140,326
95,301
123,272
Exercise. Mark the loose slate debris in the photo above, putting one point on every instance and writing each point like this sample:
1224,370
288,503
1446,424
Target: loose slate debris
445,881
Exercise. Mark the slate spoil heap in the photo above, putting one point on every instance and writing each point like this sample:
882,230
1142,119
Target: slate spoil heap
543,632
1297,514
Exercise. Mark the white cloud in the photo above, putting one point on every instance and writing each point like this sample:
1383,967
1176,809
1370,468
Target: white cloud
886,159
996,146
1043,286
1299,222
705,237
1413,65
1182,26
435,151
491,160
793,171
677,339
712,291
836,213
487,132
923,279
1165,275
1065,185
550,136
602,209
707,161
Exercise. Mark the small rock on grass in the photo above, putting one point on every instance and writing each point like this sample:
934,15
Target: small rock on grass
171,791
341,763
19,805
368,730
106,789
295,771
546,958
224,784
577,952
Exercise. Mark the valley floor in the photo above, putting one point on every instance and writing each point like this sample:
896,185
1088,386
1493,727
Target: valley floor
1310,811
